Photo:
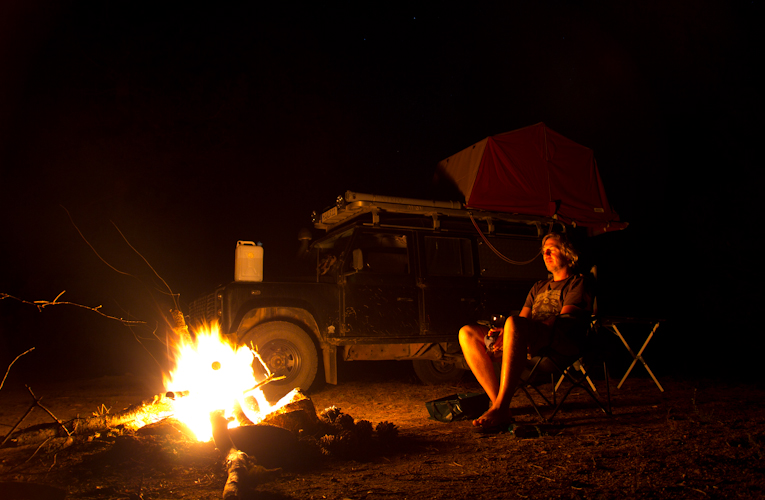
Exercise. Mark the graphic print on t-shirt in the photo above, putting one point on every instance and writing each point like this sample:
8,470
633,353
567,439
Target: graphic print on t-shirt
546,305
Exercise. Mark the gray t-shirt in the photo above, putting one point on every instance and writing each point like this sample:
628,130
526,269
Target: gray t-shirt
548,297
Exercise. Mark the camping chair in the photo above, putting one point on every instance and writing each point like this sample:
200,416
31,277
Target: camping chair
568,368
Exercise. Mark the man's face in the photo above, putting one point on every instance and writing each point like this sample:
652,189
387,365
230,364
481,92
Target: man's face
553,256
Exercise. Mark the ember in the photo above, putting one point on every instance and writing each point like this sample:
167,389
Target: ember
212,374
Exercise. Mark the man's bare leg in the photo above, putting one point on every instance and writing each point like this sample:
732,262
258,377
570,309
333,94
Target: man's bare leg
513,360
479,361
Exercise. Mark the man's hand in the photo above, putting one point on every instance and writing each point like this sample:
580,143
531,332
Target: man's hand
496,345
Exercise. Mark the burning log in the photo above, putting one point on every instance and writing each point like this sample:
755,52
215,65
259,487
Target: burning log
221,437
295,413
269,445
266,445
270,378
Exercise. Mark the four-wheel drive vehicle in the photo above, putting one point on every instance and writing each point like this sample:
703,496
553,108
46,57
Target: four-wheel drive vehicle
392,279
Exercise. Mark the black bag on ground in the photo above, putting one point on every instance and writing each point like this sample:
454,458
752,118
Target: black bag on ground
459,406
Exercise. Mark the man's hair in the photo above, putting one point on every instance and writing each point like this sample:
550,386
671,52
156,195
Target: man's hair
567,249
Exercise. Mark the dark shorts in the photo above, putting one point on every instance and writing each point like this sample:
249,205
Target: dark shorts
565,337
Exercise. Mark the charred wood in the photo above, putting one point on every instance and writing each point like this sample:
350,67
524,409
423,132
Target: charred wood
296,415
236,466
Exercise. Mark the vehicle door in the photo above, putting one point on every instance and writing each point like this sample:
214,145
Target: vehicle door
380,295
449,283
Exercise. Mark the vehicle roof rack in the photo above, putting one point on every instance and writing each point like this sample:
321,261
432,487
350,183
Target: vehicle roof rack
352,205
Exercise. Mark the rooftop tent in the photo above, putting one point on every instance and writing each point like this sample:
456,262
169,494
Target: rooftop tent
534,171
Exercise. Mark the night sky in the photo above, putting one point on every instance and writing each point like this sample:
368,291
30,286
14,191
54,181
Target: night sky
189,128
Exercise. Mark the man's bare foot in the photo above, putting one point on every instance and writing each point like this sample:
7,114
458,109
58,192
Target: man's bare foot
494,417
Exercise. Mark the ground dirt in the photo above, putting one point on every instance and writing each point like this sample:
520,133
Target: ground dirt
694,440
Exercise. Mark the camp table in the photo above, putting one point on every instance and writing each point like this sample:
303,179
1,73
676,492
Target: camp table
612,323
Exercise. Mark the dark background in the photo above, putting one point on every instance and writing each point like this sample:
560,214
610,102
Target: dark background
189,128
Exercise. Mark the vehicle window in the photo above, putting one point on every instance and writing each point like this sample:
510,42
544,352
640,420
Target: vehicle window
383,253
329,252
448,256
492,266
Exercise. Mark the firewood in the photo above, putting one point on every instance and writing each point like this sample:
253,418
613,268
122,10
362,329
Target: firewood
221,437
270,446
297,414
236,466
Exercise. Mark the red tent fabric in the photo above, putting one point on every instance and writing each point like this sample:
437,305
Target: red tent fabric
534,171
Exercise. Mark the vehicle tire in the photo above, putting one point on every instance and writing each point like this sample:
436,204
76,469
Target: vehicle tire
287,350
437,372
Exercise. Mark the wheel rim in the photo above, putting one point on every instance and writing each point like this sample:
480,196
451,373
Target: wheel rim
282,358
442,367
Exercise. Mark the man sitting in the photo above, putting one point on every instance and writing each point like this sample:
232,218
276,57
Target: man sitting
553,316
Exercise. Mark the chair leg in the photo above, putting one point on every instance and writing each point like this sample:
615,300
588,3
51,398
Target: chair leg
608,389
552,384
580,382
584,386
525,382
534,405
578,366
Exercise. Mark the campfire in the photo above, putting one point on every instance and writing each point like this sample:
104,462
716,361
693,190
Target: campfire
213,375
212,394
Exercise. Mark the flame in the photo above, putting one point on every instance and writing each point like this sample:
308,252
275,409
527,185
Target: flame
216,375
